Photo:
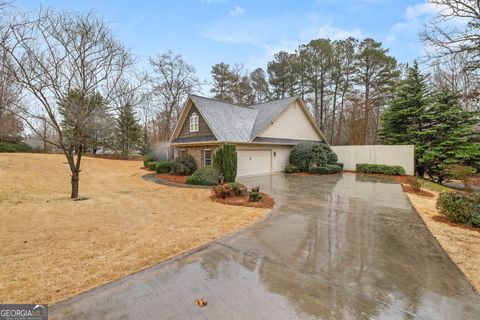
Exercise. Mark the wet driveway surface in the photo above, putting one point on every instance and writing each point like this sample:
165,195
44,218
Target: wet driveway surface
335,247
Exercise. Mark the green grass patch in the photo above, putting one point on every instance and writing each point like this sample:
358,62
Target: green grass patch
430,185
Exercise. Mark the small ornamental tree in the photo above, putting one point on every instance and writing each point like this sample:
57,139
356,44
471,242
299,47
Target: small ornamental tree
226,162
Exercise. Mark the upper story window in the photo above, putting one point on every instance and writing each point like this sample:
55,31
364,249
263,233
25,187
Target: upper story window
194,122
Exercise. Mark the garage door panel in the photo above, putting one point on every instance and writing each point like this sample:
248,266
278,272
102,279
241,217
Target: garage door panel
253,162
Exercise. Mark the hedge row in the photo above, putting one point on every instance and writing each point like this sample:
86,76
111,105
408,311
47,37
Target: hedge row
9,146
325,169
460,207
380,168
159,166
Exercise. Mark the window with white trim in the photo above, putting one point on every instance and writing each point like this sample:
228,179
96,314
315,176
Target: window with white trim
194,122
207,157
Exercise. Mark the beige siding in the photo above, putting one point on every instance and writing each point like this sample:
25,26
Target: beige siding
293,123
401,155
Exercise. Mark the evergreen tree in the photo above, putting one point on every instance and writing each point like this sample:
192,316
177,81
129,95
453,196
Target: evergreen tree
145,143
259,85
224,81
450,136
405,118
128,132
81,115
281,75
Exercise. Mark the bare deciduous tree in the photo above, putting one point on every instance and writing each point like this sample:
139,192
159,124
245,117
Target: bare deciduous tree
173,79
455,28
55,54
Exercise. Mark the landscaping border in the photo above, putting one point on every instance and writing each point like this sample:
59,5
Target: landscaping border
152,177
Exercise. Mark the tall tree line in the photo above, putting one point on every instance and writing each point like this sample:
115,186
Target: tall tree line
346,84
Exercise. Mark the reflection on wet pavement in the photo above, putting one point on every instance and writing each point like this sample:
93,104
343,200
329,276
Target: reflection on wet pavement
335,246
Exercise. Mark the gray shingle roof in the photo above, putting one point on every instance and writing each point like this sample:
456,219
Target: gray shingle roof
230,122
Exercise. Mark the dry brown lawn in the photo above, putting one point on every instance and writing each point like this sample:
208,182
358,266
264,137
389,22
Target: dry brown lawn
53,248
461,243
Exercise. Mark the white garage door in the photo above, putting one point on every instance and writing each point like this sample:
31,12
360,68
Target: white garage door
252,162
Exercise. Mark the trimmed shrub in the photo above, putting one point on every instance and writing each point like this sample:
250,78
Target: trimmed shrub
290,168
380,168
226,161
460,207
184,165
415,183
12,146
148,158
325,169
151,165
340,165
254,196
231,189
235,187
163,167
206,176
312,154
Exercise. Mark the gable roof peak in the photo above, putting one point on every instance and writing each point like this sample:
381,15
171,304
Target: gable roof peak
219,101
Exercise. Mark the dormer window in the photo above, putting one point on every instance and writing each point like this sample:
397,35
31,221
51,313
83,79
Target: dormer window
194,122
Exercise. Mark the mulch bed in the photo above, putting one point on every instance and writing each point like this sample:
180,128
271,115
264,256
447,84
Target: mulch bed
172,178
444,219
423,193
267,201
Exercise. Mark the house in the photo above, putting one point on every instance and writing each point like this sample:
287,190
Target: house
264,134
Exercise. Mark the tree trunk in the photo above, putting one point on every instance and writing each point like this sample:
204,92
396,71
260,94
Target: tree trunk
334,111
75,184
315,110
322,93
74,169
365,115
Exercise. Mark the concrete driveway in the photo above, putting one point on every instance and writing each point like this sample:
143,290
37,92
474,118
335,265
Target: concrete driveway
335,246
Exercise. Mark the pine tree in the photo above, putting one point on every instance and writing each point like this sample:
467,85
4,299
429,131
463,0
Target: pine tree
405,118
145,143
224,81
128,132
450,136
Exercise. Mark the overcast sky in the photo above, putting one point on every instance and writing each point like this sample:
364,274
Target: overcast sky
206,32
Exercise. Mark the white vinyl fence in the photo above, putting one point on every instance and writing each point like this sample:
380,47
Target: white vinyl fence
401,155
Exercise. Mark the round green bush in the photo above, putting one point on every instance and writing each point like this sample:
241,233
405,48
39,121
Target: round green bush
163,167
184,165
290,168
460,207
312,154
254,196
206,176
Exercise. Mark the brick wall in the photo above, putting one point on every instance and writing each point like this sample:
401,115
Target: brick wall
196,152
